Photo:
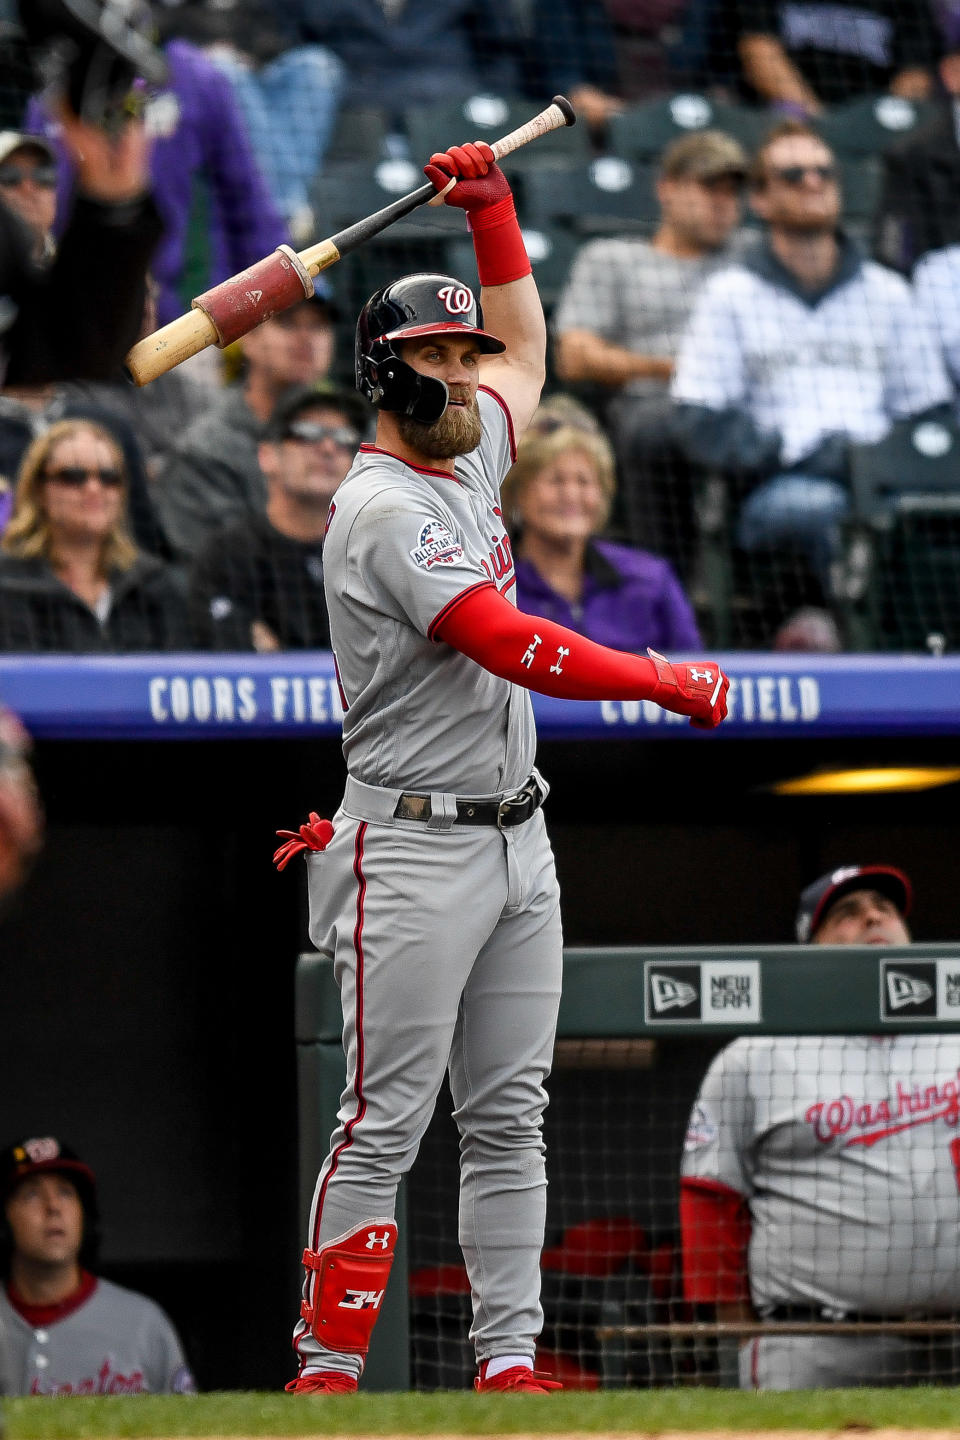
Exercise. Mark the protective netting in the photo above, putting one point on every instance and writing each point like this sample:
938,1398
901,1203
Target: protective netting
814,1246
780,401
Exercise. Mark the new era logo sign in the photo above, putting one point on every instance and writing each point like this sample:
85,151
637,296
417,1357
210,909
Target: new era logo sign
904,990
670,994
908,990
672,991
706,992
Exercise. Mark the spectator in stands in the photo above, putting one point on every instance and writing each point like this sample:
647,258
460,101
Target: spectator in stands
28,183
804,54
819,1176
213,476
65,1330
936,281
284,88
71,577
920,207
619,322
157,414
217,213
27,411
418,53
796,351
600,53
258,583
557,499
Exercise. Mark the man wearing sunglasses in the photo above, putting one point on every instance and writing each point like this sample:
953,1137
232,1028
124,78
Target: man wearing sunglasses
28,184
258,583
801,349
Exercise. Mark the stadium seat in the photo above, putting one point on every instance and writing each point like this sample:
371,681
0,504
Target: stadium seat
610,195
861,182
642,132
871,124
488,117
358,135
904,548
342,195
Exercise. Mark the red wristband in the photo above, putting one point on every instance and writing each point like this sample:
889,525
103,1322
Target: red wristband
498,243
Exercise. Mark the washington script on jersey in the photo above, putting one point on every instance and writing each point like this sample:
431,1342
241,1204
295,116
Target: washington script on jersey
753,699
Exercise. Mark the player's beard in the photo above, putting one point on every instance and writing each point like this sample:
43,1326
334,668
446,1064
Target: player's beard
457,432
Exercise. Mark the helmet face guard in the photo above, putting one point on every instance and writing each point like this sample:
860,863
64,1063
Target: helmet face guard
417,305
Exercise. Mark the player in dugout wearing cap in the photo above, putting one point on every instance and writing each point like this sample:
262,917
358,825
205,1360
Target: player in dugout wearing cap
434,887
821,1180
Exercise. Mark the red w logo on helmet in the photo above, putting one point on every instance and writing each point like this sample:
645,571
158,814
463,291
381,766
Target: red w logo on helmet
457,299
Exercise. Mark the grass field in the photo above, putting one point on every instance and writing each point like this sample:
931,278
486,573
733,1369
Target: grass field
623,1412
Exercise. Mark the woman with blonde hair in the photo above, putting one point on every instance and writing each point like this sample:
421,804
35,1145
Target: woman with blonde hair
556,501
71,576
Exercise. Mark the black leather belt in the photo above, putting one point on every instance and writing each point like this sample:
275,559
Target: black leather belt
513,809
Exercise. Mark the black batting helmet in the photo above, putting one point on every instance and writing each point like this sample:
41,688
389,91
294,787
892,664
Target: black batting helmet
414,305
45,1155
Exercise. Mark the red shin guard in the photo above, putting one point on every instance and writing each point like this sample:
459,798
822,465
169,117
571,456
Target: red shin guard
349,1281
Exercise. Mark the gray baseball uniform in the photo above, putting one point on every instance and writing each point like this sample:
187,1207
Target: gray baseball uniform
107,1341
446,936
846,1149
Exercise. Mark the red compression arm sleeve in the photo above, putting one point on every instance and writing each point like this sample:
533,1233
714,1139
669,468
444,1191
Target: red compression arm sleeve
538,654
715,1226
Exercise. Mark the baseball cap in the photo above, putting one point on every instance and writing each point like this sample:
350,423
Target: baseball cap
42,1155
704,156
13,140
293,402
818,897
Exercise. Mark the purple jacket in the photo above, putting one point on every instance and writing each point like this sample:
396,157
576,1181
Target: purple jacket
204,169
631,599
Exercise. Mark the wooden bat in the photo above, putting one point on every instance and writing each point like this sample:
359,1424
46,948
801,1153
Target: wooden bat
282,279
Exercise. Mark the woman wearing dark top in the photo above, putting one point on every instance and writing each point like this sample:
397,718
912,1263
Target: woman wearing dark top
556,500
71,577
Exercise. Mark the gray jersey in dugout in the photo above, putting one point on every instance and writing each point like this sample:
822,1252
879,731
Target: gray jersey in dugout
115,1342
402,544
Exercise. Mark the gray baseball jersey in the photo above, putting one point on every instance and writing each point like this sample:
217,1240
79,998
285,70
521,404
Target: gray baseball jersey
846,1148
446,936
112,1342
401,544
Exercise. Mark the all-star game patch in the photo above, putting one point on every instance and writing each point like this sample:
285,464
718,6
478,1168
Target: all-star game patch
436,545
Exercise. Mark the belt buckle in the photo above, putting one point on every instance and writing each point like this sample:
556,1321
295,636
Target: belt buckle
521,798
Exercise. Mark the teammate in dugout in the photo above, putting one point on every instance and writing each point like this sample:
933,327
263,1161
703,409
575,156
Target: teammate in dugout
434,888
821,1178
63,1330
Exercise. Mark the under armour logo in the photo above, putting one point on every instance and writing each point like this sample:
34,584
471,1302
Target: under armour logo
562,653
530,652
361,1300
375,1241
457,299
706,675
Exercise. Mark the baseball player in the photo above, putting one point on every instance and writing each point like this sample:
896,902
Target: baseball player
64,1331
821,1177
434,888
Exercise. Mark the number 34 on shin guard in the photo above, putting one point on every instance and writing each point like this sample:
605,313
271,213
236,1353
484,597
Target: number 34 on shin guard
347,1285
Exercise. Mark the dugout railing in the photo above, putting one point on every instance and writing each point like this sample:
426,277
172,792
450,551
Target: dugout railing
637,1030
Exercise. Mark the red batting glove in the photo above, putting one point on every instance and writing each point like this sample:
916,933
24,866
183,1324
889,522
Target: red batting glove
315,836
698,690
480,181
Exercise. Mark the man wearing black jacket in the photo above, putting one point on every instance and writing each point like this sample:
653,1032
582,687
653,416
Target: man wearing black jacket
258,583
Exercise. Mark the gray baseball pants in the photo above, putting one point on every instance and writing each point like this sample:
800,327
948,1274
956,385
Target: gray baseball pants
447,949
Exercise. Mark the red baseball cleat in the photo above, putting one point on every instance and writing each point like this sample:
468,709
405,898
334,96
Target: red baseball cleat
518,1378
328,1382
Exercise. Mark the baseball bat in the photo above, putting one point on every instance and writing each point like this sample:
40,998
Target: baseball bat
237,305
